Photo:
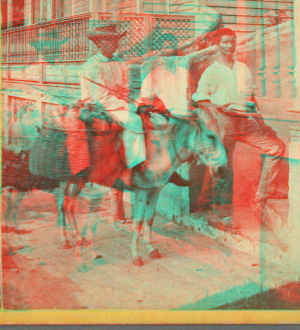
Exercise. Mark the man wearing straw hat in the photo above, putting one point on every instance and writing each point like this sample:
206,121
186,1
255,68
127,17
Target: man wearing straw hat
105,80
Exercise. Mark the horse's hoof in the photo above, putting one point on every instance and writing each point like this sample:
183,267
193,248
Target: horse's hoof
11,252
154,254
66,245
26,249
85,242
82,268
98,260
137,261
125,222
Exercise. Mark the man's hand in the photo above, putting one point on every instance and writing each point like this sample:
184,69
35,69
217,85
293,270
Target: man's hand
86,116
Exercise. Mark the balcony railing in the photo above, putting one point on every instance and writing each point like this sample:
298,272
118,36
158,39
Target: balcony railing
17,42
20,44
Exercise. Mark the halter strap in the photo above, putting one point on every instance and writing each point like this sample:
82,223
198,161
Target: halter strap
191,140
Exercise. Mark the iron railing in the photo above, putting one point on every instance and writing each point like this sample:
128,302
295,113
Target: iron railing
62,40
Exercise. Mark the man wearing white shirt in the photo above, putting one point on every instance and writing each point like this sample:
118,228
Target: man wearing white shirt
224,98
165,83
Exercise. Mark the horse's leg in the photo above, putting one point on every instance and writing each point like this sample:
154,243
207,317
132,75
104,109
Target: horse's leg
97,258
139,208
79,247
60,198
7,218
91,227
82,239
148,222
61,211
71,204
118,204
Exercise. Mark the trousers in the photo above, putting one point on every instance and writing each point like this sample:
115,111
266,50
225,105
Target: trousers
133,136
255,133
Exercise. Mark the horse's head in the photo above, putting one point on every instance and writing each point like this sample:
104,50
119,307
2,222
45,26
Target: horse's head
210,149
204,144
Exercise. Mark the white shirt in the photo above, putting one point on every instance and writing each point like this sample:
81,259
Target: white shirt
222,85
112,77
170,86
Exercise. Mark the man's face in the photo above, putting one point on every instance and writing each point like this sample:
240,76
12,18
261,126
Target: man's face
227,45
108,46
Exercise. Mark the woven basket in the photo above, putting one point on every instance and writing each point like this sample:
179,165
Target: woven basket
49,155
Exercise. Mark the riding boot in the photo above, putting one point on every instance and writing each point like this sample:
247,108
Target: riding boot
179,180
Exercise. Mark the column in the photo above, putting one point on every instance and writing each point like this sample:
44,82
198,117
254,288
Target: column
9,11
28,12
274,89
294,153
297,53
138,6
261,58
5,114
92,10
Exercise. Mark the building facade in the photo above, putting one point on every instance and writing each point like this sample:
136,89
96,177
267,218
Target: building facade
265,30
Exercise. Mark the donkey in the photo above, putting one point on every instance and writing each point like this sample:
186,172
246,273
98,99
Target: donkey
167,150
168,146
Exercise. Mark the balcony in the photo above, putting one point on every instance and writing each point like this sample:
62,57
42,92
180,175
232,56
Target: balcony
17,41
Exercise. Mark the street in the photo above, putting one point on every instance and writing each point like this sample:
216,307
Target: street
41,274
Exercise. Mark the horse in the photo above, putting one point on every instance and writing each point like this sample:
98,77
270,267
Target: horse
172,145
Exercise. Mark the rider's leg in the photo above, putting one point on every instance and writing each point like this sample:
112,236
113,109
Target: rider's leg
135,154
134,145
273,149
133,136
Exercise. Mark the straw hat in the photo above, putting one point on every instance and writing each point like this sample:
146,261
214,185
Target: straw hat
105,32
